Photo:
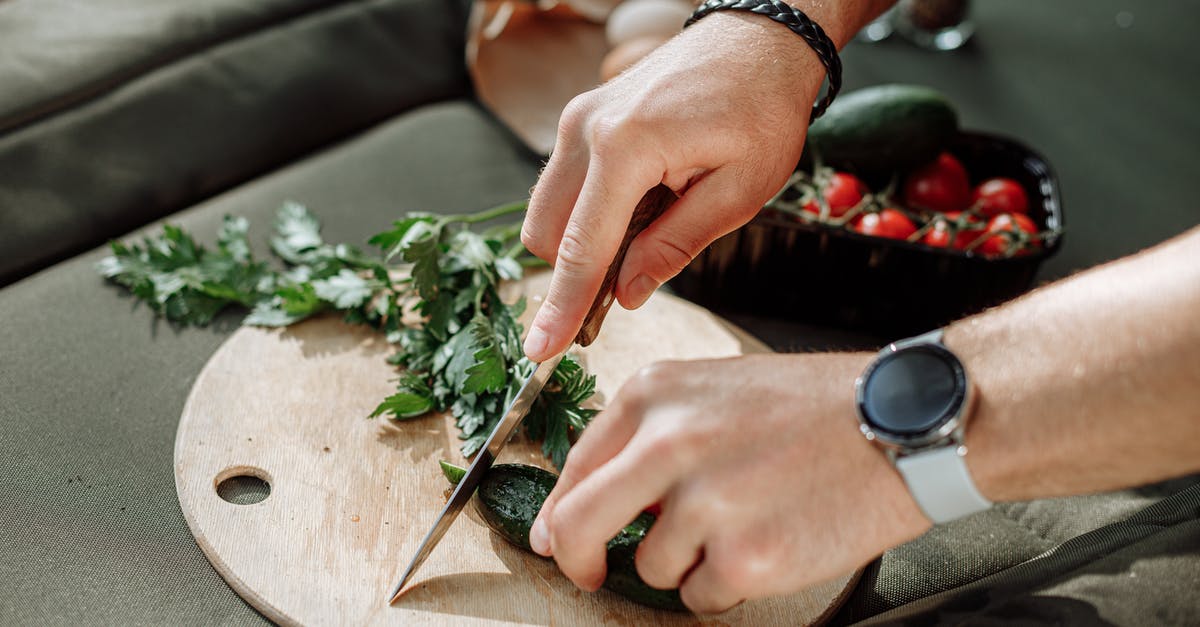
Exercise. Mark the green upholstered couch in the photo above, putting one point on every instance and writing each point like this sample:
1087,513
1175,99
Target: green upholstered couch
117,114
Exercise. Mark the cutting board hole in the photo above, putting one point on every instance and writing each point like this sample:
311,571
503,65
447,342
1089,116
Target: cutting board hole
243,485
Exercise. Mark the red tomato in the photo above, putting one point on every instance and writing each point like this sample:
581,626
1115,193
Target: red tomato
967,228
996,196
1009,231
843,193
654,510
938,236
886,223
941,185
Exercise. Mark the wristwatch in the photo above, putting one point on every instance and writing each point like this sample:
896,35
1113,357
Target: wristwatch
913,402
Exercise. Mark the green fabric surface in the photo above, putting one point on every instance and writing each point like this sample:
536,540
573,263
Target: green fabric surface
1005,538
58,53
1139,570
163,139
212,97
92,387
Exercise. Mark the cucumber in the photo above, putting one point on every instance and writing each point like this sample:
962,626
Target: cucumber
623,577
509,499
452,473
880,131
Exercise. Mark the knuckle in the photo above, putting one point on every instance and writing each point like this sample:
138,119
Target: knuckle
533,240
660,446
575,116
674,257
657,375
552,315
654,569
576,251
563,519
691,503
611,134
730,576
745,566
673,450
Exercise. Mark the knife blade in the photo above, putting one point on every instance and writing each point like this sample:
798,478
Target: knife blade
652,205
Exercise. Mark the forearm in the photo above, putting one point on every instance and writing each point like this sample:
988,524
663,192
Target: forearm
758,37
1089,384
841,20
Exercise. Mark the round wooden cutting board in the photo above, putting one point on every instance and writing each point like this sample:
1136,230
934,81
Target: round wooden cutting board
351,498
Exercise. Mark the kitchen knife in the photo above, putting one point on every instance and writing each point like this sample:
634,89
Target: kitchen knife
652,205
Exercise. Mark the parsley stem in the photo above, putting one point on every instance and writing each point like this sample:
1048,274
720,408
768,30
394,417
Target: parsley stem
488,214
504,233
515,250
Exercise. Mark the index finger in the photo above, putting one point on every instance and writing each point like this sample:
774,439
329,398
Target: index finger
604,437
589,242
597,507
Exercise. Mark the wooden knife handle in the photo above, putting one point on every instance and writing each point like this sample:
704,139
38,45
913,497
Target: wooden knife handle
652,205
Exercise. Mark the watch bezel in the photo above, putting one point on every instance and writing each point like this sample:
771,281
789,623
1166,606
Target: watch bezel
948,424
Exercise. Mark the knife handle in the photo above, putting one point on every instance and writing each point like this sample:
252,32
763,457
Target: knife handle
652,205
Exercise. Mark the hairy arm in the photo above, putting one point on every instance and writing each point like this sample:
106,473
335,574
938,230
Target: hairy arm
1085,385
719,114
1092,383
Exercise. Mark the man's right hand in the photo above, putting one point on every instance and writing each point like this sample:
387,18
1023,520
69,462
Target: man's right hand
718,114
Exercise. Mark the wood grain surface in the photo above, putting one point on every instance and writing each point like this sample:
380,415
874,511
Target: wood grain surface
351,498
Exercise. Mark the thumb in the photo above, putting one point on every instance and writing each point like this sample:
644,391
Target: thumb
711,207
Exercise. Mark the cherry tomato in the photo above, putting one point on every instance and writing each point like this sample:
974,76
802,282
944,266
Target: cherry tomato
938,236
968,229
996,196
940,185
1009,231
842,193
886,223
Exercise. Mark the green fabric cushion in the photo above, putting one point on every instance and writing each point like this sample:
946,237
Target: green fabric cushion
1140,569
156,130
58,53
92,387
1017,538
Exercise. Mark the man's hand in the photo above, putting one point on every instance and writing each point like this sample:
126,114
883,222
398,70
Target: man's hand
765,482
718,114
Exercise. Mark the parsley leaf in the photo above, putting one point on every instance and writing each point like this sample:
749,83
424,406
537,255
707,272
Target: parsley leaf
297,234
558,413
413,398
489,373
424,253
344,289
433,289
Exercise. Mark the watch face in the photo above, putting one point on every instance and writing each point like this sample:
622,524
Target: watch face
913,391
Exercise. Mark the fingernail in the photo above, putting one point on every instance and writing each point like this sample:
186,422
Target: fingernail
641,288
535,342
539,538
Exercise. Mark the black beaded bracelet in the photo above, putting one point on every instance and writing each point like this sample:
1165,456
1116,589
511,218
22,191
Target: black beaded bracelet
798,23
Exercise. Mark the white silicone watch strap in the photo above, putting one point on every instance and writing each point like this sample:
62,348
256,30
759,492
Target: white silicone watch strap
939,482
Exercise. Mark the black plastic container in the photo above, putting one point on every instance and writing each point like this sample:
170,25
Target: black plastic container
815,273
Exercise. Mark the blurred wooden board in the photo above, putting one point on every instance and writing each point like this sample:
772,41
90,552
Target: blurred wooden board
351,498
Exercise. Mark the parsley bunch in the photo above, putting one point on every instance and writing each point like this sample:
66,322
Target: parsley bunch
433,289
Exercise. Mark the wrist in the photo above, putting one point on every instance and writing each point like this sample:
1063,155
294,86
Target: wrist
786,62
915,402
872,470
840,20
995,460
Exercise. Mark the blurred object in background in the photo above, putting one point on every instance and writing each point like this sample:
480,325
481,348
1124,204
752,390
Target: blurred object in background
636,27
634,19
934,24
879,29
